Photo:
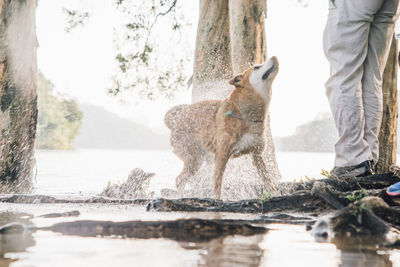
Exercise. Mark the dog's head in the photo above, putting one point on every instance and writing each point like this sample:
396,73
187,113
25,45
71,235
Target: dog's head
258,78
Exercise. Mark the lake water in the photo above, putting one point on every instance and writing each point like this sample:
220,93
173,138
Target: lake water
86,172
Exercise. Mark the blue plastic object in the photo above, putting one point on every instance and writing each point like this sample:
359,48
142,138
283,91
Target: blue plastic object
394,190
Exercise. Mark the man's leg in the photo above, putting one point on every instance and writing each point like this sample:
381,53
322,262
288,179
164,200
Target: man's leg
380,38
345,45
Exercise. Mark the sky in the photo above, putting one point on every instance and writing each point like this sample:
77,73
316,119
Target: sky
80,63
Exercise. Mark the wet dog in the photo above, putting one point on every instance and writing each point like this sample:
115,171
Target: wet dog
230,127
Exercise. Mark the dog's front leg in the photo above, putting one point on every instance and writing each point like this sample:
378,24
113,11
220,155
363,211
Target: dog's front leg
220,165
221,158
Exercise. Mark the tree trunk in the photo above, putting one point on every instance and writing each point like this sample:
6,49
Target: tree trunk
226,26
247,33
212,62
388,131
18,108
248,48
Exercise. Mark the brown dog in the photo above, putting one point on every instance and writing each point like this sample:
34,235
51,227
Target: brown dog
230,127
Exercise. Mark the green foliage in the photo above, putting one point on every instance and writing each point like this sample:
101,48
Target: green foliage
354,196
362,206
265,196
143,64
59,119
325,173
75,18
358,211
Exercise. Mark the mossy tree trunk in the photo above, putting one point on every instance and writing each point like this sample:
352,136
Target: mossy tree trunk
18,108
249,47
212,61
388,131
231,37
248,33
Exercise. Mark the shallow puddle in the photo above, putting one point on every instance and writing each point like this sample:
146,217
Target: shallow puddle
282,245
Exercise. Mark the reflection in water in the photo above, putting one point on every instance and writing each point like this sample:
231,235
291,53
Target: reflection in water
14,241
361,252
364,258
191,230
291,245
283,245
229,251
6,262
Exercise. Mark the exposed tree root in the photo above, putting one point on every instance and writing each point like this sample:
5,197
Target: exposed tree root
313,196
43,199
299,202
191,230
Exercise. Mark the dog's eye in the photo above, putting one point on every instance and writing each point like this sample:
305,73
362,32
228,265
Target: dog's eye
257,67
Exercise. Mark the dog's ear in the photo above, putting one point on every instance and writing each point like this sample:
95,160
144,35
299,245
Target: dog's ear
236,80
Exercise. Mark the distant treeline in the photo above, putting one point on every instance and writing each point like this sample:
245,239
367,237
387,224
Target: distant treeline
59,119
63,124
105,130
319,135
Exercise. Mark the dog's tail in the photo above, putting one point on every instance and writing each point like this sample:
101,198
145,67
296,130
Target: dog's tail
170,118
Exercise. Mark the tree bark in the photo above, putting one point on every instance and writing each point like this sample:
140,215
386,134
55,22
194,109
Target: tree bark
388,131
18,107
248,33
248,48
212,62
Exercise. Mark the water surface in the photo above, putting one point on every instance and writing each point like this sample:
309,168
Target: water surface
87,172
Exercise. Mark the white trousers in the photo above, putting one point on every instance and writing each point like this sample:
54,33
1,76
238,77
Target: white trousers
357,40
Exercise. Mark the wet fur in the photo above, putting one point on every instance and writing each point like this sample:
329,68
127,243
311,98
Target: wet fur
203,127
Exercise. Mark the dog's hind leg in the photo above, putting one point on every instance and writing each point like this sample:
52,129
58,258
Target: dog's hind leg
191,166
190,152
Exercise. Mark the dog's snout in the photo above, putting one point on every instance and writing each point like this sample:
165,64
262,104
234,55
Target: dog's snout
275,60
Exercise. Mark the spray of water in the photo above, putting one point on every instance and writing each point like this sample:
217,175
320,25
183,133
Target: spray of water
135,187
241,180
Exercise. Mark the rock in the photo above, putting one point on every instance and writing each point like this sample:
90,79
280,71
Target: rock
370,217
